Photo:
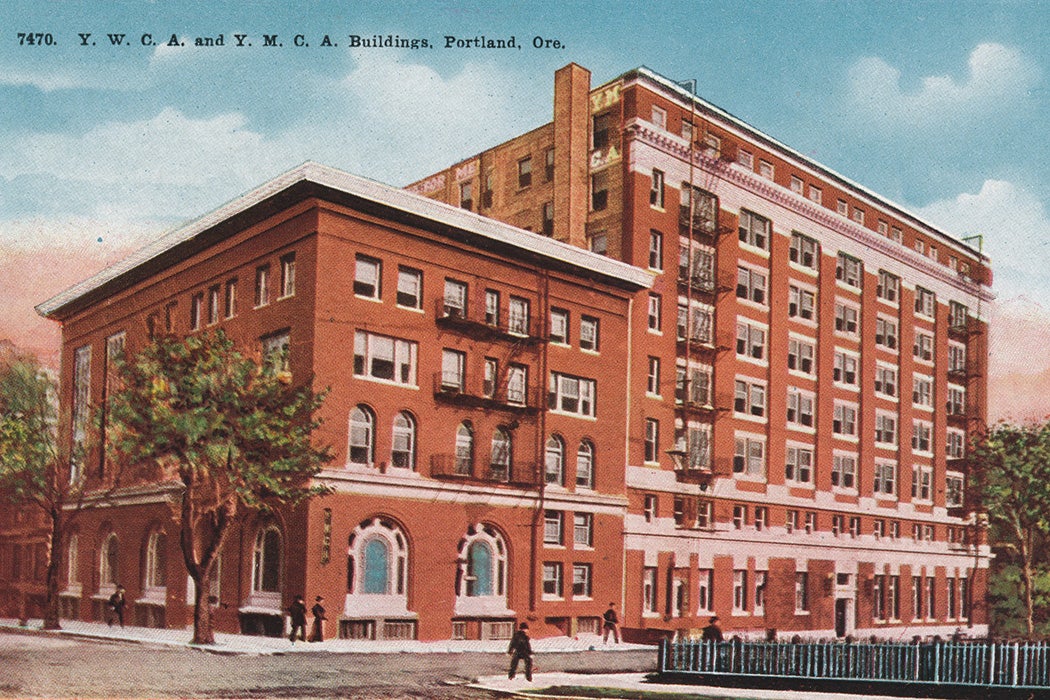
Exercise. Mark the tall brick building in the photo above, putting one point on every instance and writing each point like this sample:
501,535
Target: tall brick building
715,378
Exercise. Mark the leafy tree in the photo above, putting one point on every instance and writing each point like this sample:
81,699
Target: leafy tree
231,431
1010,482
33,471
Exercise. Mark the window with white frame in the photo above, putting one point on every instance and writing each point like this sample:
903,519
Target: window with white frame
800,355
798,467
749,456
696,323
517,385
816,194
956,357
552,581
883,228
585,465
262,285
525,172
750,285
652,440
693,385
81,407
500,455
885,478
196,311
214,293
656,190
889,287
569,394
455,303
844,471
740,591
554,469
838,524
583,529
958,315
403,447
925,302
846,316
749,398
956,403
760,592
559,326
922,482
453,370
895,530
845,419
652,385
705,514
796,185
849,270
953,490
491,379
750,340
288,275
791,521
886,332
649,591
361,450
922,349
656,250
922,390
581,580
266,561
518,316
367,273
697,267
765,169
409,288
156,560
705,594
230,298
885,428
801,303
886,380
746,158
845,368
492,308
482,563
955,443
384,358
842,207
761,517
754,230
811,522
650,507
804,251
922,436
698,445
878,528
799,407
659,117
801,591
854,526
858,216
589,333
553,521
654,312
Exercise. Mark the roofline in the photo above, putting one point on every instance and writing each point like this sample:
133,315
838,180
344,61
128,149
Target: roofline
683,94
368,192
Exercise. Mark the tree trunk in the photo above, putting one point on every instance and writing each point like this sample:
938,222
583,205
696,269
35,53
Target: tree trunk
54,564
1025,552
203,624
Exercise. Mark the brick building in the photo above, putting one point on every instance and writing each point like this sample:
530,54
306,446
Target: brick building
685,391
810,365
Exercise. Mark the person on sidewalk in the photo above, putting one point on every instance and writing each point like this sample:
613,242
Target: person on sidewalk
520,649
117,603
317,629
713,632
610,623
297,613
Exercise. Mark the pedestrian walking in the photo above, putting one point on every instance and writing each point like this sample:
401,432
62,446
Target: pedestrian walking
297,612
317,629
117,603
610,623
713,632
520,649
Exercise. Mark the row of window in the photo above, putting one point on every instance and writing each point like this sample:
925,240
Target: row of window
220,301
886,598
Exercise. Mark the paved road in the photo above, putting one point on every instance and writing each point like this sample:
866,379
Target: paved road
46,666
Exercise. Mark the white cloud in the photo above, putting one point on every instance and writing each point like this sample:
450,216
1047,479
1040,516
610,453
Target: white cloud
997,79
1016,231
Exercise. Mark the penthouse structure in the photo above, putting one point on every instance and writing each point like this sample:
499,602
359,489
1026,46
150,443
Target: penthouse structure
642,354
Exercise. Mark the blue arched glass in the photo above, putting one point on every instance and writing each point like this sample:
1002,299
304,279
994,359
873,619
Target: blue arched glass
377,567
480,558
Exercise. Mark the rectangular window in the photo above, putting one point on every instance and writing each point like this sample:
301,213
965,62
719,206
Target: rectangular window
842,207
956,358
569,394
893,598
466,195
650,507
858,216
750,341
816,194
288,275
895,234
559,326
547,225
231,298
878,529
583,529
602,126
845,369
849,270
801,303
517,385
740,590
885,429
695,323
746,159
81,406
598,243
552,585
739,516
385,358
845,419
811,522
922,390
923,347
750,285
953,490
649,590
552,527
275,353
761,518
754,230
659,117
916,597
749,456
878,597
798,467
455,300
453,370
796,184
886,332
765,169
889,287
409,288
656,250
367,272
886,380
791,521
705,514
588,333
524,172
895,530
196,310
925,302
800,355
955,444
492,308
654,312
491,378
844,471
838,525
581,580
705,594
487,189
749,398
548,165
653,379
846,318
656,190
262,286
652,440
799,407
922,483
958,316
600,191
213,305
801,591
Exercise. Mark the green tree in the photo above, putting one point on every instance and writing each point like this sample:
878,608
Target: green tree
33,471
1010,483
234,433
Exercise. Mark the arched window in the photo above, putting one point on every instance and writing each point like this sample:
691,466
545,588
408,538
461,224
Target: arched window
266,563
362,436
501,456
73,560
585,465
156,560
377,559
465,449
108,560
403,453
483,563
555,461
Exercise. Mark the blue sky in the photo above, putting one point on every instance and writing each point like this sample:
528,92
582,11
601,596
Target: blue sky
941,106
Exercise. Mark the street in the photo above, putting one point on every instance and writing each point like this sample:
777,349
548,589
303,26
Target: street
47,666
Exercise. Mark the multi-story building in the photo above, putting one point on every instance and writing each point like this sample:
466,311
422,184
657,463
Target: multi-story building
727,335
810,368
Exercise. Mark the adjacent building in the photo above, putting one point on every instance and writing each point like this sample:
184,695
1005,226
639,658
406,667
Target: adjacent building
644,354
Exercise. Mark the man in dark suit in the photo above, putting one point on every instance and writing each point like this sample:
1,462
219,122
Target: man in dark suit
297,612
520,649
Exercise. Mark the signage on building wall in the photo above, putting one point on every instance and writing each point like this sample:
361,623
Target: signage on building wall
429,185
602,158
466,172
605,97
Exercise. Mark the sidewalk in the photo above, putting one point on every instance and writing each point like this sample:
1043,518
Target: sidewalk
247,644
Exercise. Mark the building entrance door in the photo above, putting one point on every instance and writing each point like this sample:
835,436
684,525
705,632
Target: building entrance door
841,613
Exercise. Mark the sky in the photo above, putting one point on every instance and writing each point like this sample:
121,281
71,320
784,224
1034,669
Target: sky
115,127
